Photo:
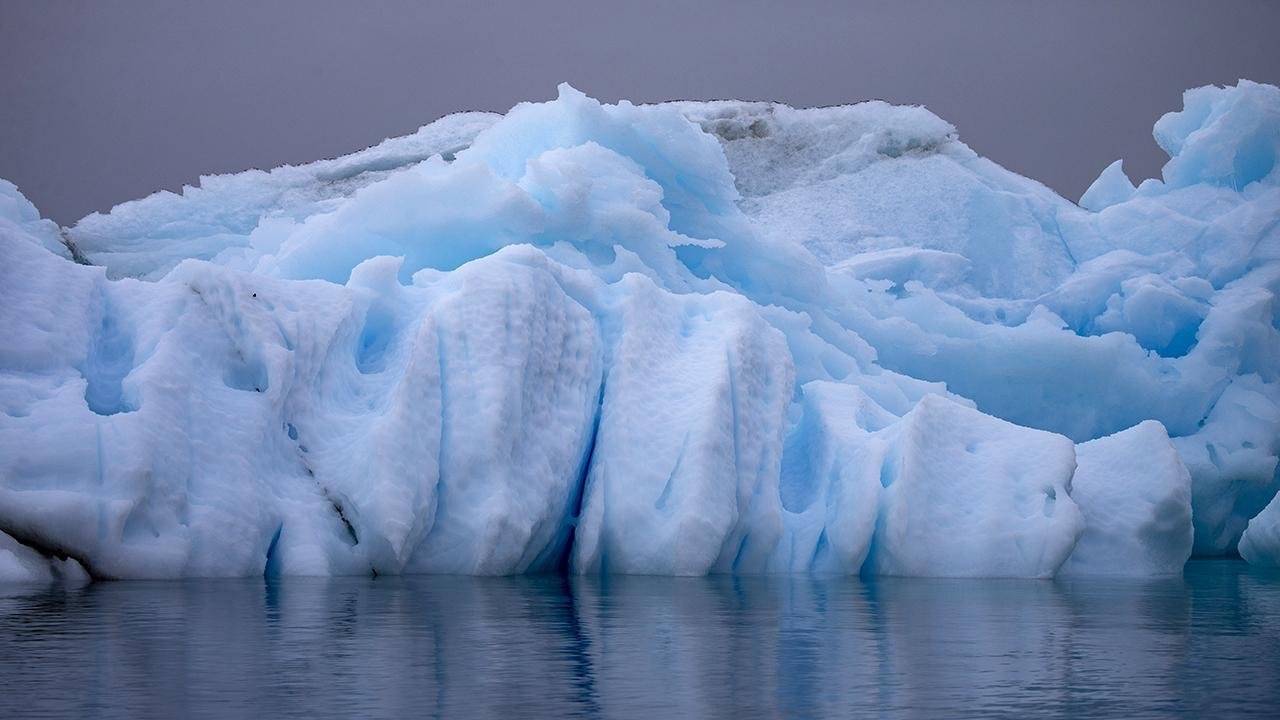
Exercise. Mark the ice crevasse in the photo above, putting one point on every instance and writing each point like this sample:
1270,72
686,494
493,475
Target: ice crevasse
722,337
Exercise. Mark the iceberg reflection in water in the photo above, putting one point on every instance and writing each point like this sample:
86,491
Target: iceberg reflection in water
1207,643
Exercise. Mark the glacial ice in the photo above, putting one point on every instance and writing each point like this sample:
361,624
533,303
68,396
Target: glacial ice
1260,543
1135,494
722,337
970,495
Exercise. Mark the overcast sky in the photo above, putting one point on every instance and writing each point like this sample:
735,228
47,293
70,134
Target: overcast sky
101,102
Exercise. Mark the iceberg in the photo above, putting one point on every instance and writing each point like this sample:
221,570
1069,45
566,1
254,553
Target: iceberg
675,339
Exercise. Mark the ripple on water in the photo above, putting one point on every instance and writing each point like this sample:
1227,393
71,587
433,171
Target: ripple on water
1207,644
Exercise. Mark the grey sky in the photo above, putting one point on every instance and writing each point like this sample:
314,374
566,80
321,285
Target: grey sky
104,102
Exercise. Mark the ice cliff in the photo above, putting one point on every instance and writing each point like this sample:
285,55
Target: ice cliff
677,339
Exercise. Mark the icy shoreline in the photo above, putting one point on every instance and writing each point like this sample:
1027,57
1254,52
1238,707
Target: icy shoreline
676,339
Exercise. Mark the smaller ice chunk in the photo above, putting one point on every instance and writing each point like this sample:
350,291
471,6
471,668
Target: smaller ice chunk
1233,463
519,365
1111,188
21,564
21,219
684,474
1260,544
830,483
1158,315
1227,136
970,495
1135,495
222,215
434,215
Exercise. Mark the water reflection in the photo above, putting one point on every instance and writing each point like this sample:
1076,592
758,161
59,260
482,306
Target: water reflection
1205,644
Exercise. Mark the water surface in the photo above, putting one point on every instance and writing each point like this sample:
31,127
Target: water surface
1204,645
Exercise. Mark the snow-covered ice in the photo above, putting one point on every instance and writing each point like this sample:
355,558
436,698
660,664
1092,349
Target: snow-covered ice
677,339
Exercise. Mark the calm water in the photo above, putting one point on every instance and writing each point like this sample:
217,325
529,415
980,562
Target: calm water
1206,645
